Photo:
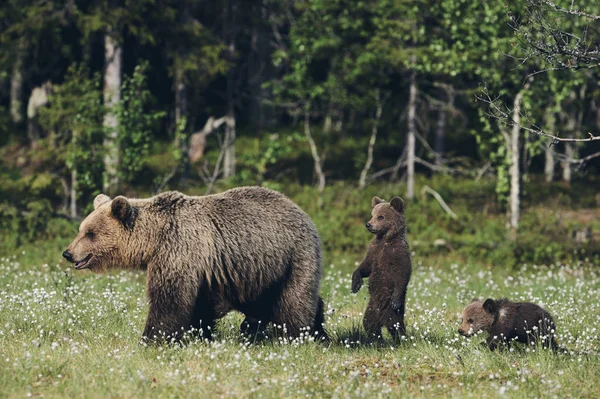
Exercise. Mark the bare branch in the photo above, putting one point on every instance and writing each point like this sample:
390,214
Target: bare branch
314,151
438,197
571,11
504,117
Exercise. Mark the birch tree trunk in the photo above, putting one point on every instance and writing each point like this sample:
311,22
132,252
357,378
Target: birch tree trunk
566,166
440,132
514,170
549,165
410,141
549,152
73,194
314,151
229,156
363,175
113,58
230,133
16,86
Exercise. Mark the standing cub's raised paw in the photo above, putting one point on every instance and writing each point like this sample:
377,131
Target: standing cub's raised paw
357,282
388,267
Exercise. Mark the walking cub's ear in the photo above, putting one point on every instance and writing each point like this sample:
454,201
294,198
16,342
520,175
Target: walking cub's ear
490,306
376,201
397,204
475,300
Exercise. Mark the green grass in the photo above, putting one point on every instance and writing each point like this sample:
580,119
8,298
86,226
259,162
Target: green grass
75,334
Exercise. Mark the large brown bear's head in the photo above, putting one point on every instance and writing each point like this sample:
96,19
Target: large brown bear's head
387,218
478,316
102,235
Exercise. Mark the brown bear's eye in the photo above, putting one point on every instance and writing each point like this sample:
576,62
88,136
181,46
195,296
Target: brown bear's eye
379,217
90,234
470,321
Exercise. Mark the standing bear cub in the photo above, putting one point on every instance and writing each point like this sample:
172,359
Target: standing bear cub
249,249
507,321
388,266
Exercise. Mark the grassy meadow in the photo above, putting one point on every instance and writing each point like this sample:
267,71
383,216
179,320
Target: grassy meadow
75,334
65,333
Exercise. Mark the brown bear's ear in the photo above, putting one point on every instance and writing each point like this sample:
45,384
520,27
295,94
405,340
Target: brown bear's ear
123,211
397,204
100,199
475,300
376,201
490,306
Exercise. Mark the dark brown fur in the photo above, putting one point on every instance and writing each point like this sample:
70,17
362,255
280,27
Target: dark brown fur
388,266
508,321
248,249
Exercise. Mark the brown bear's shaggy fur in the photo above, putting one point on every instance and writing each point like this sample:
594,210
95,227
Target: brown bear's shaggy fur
248,249
388,266
508,321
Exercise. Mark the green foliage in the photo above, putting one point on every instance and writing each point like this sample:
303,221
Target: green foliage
266,153
136,121
74,118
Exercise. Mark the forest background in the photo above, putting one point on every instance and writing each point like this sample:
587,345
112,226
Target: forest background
454,105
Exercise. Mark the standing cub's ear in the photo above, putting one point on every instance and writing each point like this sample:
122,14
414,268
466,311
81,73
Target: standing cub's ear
490,306
376,201
100,199
122,210
397,204
475,300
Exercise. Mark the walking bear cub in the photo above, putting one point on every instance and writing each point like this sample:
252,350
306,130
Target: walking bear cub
388,267
508,321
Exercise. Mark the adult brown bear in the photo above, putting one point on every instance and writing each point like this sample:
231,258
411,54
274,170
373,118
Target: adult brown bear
249,249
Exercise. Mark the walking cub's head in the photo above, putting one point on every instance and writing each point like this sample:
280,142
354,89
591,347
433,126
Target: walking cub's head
387,218
478,316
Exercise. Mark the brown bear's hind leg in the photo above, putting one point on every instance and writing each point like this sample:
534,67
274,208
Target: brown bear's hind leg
395,325
372,322
294,311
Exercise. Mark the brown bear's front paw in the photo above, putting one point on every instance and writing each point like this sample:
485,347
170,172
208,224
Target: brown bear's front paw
396,304
356,284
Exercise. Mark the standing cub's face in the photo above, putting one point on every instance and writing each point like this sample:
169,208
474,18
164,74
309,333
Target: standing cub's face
101,235
476,317
386,216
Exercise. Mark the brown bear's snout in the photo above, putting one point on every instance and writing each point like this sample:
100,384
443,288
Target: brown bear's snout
68,256
461,331
368,225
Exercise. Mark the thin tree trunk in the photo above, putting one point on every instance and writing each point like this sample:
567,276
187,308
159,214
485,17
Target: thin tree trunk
566,166
549,153
16,85
410,142
230,133
314,151
73,194
440,132
328,122
113,56
229,158
181,140
409,149
363,175
549,164
180,97
514,170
